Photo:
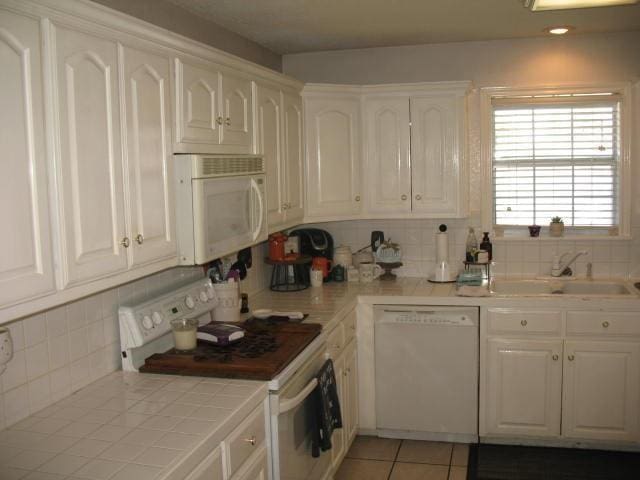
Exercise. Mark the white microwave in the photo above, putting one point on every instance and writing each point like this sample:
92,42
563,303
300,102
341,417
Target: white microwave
220,205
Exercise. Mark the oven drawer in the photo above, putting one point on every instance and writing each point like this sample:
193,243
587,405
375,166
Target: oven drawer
245,440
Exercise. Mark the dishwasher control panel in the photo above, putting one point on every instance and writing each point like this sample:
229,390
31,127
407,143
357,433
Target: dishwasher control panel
428,317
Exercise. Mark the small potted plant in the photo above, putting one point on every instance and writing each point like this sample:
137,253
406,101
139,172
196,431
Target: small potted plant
556,227
534,230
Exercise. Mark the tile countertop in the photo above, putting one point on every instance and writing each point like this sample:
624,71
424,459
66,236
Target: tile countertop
128,426
325,305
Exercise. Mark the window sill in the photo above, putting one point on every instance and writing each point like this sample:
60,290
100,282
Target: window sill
566,238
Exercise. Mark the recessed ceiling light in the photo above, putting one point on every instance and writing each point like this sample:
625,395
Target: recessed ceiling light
559,30
537,5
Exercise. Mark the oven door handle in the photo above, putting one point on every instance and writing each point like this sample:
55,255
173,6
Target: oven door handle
291,403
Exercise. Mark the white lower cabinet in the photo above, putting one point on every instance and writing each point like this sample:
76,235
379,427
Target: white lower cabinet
256,469
342,349
601,385
524,383
209,469
580,386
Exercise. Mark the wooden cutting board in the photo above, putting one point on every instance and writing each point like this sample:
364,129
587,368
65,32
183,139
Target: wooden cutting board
265,350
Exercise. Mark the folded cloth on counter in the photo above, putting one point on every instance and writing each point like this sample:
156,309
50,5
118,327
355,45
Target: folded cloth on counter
470,291
327,415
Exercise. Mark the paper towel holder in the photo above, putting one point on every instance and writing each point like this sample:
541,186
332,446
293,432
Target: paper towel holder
443,272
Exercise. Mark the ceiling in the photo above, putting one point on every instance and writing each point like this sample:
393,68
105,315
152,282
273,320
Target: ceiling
295,26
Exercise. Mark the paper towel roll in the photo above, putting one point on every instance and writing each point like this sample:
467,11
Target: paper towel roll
442,247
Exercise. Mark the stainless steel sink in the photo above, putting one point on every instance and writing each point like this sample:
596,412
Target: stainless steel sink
560,287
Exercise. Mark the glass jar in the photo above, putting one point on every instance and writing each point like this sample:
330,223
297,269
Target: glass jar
184,333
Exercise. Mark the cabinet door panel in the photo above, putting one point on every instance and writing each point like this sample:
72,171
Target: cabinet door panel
387,144
338,439
435,154
270,146
351,388
26,268
198,89
523,390
333,179
601,399
90,155
236,109
148,126
294,171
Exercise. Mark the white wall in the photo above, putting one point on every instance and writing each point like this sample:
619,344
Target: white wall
61,350
525,62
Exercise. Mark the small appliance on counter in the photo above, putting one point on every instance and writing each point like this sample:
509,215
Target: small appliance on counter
443,272
314,242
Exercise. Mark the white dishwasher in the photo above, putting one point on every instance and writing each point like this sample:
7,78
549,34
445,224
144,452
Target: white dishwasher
426,372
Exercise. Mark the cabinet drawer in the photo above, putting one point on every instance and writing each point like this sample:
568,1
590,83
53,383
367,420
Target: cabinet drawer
335,342
525,321
209,469
245,440
603,323
349,324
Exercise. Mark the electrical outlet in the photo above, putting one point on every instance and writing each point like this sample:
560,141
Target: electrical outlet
6,348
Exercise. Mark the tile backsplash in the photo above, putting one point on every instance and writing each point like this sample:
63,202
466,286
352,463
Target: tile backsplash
61,350
513,257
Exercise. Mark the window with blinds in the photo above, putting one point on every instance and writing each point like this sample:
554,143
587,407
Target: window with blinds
556,156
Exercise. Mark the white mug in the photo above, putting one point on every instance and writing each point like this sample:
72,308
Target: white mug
368,271
6,348
316,278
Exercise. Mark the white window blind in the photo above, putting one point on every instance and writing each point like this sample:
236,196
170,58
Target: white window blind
556,156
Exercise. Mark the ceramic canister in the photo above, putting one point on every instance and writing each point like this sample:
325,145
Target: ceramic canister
342,256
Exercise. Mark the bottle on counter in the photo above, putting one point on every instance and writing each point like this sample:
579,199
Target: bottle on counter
486,245
471,246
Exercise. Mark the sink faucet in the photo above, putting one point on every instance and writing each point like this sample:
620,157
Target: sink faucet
561,268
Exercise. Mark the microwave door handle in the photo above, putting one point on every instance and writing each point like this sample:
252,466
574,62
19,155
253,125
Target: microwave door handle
291,403
254,187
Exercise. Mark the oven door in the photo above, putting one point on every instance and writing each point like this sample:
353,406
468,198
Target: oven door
229,214
291,422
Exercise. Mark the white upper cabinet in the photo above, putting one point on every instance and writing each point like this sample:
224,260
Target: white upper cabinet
146,87
332,125
387,147
279,138
601,390
89,159
198,118
414,146
213,110
237,129
293,157
437,144
269,130
26,266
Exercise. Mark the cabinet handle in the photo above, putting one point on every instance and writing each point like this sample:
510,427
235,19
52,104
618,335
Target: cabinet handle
288,206
523,323
571,358
251,440
219,120
418,197
403,197
336,346
228,122
139,239
284,206
357,198
125,242
555,357
605,324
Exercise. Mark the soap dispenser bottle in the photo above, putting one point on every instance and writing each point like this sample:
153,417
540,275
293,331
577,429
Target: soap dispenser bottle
486,245
471,246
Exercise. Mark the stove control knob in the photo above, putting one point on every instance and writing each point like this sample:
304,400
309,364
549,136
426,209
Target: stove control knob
210,292
188,301
147,323
203,297
157,318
